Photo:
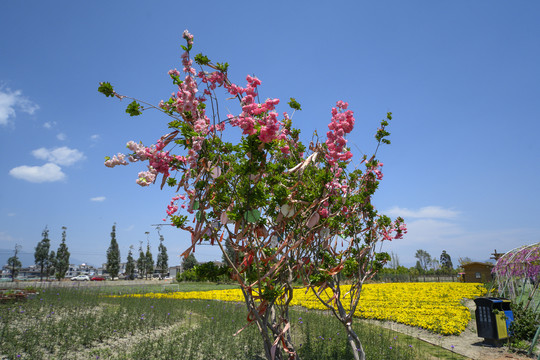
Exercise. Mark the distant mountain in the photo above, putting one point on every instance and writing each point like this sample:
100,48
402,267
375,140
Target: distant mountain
27,258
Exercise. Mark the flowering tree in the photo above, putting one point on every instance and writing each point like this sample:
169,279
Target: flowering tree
280,205
514,270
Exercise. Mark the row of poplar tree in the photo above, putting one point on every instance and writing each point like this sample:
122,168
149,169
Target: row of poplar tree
56,264
51,263
143,267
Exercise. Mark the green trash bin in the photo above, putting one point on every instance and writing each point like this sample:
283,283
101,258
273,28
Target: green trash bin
493,318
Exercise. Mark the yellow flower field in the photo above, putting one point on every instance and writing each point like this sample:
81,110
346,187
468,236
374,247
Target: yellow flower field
432,306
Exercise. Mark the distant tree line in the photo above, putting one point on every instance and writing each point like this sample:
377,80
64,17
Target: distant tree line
56,264
144,266
426,265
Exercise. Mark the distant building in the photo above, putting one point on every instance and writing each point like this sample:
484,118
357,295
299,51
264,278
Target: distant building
173,270
478,272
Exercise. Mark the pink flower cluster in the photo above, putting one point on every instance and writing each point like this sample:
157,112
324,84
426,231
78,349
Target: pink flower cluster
213,80
377,170
342,123
398,227
185,99
193,153
257,118
147,177
119,159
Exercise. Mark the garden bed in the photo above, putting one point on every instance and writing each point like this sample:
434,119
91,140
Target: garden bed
13,295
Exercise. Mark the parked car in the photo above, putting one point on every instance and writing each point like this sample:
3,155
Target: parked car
81,278
98,278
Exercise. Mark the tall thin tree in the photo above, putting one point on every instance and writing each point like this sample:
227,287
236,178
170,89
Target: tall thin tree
162,263
62,257
141,262
113,255
130,264
149,260
14,263
41,255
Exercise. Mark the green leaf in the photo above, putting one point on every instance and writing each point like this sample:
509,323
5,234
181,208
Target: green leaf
222,67
107,158
294,104
202,59
106,89
134,109
252,215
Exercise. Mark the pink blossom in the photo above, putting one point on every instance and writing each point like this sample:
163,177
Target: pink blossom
323,212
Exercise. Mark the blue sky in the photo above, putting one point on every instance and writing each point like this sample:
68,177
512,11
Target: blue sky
461,78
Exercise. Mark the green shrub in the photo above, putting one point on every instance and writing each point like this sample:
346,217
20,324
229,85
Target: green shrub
524,325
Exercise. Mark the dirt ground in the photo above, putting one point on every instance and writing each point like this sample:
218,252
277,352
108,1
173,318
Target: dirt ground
467,343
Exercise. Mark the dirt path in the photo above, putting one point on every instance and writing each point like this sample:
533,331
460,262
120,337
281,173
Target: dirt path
467,343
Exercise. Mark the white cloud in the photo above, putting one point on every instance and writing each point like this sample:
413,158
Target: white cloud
37,174
61,156
6,237
98,198
11,100
61,136
49,124
11,214
95,137
427,212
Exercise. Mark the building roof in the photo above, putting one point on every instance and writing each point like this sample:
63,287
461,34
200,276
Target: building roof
478,263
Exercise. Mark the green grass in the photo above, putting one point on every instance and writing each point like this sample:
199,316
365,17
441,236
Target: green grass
126,288
88,324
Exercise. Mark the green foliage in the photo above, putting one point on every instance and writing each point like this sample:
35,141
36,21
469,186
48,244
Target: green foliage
41,254
201,59
189,262
51,265
222,67
424,260
14,265
162,263
208,271
106,89
62,257
130,265
187,275
382,133
141,262
149,261
525,323
446,262
113,255
186,48
134,108
294,104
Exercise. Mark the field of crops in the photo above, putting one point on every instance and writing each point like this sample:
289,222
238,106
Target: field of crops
433,306
89,323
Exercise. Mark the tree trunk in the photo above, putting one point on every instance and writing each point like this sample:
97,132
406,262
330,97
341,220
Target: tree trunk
354,342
